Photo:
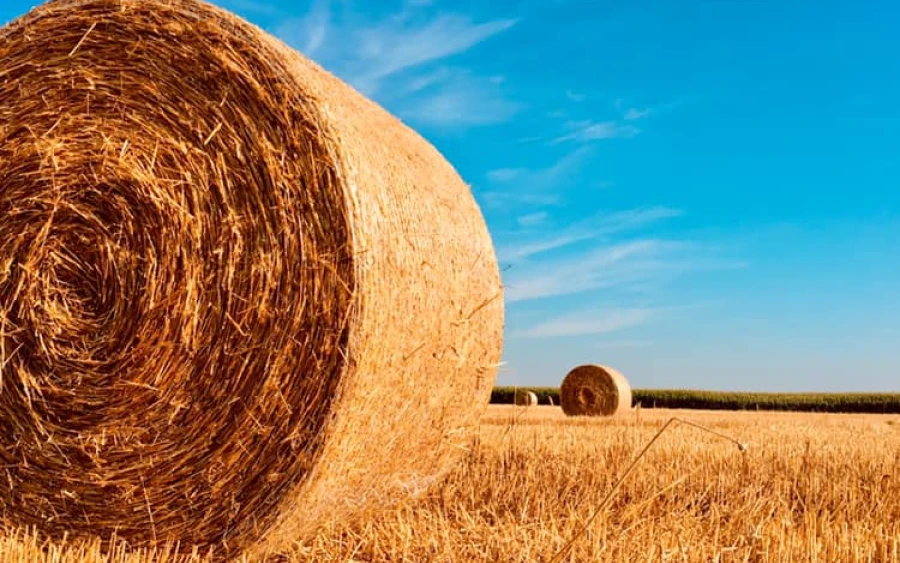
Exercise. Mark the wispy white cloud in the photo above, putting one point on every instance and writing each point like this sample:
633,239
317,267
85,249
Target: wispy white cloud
628,265
587,130
599,225
542,185
601,321
457,98
591,319
575,96
533,219
396,45
635,113
428,79
538,185
307,34
505,174
515,200
607,266
620,344
395,59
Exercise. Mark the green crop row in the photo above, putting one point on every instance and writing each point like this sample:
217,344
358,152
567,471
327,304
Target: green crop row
727,400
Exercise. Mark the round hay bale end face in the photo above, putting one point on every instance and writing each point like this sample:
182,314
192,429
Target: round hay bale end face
229,285
592,390
525,398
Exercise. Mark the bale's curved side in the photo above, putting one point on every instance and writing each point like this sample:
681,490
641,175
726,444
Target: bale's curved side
524,398
238,300
594,390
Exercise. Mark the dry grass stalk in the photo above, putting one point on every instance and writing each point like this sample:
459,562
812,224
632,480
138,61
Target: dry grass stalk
566,549
525,398
592,390
237,299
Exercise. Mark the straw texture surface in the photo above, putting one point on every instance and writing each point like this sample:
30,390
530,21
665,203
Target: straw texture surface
237,299
593,390
525,398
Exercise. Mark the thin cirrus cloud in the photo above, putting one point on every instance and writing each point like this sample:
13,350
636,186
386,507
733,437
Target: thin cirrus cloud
400,60
392,47
629,266
547,186
313,28
575,96
622,344
587,130
533,219
539,186
460,99
634,113
610,266
542,177
600,225
606,321
602,321
505,174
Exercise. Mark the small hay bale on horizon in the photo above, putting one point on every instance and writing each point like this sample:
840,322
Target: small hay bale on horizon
525,398
231,303
594,390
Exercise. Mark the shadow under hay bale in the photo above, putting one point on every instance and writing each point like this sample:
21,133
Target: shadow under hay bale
526,398
592,390
238,300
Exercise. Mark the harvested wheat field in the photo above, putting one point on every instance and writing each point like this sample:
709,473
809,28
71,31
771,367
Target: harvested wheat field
806,488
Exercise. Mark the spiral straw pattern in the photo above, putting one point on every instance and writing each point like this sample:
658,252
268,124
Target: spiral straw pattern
237,299
593,390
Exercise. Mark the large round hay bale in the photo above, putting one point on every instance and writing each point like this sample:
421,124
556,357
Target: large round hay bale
238,300
525,398
592,390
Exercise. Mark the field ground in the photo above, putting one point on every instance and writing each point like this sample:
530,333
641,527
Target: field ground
808,487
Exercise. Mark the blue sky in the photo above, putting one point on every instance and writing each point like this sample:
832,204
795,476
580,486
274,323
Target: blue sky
701,193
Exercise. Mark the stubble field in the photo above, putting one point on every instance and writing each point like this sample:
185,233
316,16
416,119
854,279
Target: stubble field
807,487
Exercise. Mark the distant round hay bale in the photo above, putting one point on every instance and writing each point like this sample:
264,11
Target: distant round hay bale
526,398
238,300
592,390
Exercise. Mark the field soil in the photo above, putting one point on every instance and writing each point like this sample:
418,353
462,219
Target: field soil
801,487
